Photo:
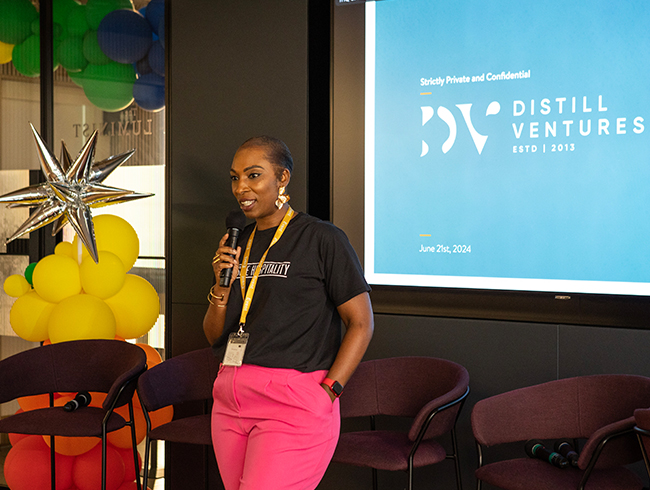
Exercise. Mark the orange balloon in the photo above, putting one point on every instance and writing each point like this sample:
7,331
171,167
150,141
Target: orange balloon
136,401
122,438
161,416
72,446
97,399
34,402
153,358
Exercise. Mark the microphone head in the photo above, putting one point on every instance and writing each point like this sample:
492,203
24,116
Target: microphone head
563,442
530,445
236,219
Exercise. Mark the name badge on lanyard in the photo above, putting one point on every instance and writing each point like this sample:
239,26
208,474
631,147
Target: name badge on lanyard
238,341
235,349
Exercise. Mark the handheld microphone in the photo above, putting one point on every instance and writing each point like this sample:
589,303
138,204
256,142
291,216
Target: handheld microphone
564,447
235,222
82,399
535,449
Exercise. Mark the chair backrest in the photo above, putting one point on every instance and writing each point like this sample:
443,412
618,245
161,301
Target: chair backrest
406,387
572,408
78,365
187,377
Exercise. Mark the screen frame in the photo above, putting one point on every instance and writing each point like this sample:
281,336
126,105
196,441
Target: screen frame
347,212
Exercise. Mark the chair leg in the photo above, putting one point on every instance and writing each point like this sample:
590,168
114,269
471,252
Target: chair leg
479,454
373,424
104,461
52,452
147,447
644,453
134,446
454,445
52,463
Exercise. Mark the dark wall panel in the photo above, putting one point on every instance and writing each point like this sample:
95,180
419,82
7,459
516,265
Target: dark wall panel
596,350
237,69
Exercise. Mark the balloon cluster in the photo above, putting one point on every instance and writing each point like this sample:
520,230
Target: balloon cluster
67,296
75,298
78,459
115,53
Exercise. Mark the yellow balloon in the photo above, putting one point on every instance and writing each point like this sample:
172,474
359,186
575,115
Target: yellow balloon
63,248
135,306
82,316
56,277
29,317
16,285
105,278
116,235
6,51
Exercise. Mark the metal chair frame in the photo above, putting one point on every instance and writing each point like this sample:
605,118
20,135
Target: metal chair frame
104,431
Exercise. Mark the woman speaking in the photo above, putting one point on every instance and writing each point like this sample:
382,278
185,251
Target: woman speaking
276,328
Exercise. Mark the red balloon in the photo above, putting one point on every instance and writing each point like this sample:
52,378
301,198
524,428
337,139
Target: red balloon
14,438
27,466
87,469
130,486
129,466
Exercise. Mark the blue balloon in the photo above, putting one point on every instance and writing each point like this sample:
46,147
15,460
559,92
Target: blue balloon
142,67
149,92
161,30
157,58
124,36
155,12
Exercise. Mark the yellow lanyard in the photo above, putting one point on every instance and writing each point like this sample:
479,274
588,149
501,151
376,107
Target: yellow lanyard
247,294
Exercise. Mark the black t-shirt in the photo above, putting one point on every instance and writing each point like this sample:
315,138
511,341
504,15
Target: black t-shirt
293,322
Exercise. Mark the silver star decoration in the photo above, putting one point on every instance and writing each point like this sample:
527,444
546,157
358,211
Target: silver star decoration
72,188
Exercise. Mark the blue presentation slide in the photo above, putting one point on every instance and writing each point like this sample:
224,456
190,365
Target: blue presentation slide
507,145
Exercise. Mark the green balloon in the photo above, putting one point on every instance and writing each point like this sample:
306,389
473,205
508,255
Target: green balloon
77,78
110,86
36,28
32,53
20,57
29,271
92,51
61,9
16,18
96,10
76,23
70,54
27,57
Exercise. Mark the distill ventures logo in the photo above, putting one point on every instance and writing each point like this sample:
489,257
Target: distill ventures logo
448,118
548,125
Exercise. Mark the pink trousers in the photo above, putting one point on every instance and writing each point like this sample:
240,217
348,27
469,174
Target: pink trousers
272,429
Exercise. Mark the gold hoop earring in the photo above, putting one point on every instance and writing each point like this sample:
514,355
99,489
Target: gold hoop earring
282,198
